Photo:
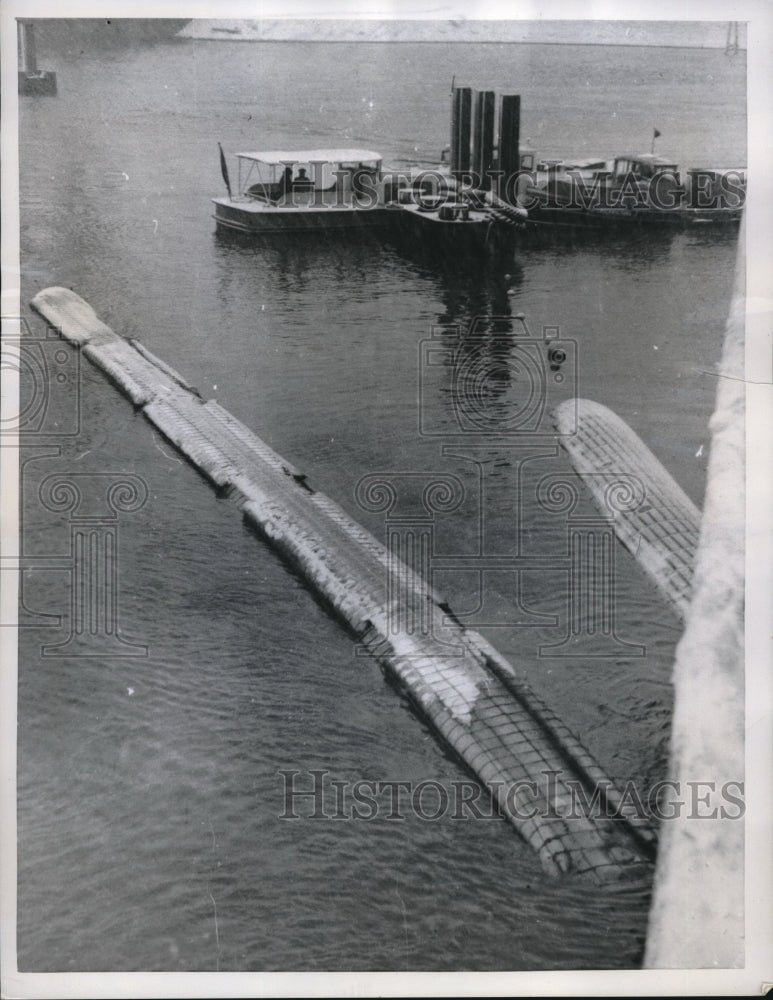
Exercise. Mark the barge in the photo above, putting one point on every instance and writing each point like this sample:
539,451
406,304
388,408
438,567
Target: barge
633,190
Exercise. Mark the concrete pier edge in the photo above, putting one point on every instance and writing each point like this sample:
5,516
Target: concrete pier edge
697,913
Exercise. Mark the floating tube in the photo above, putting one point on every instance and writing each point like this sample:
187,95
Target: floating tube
532,765
658,522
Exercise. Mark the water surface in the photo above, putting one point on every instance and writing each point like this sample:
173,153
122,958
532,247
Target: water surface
149,797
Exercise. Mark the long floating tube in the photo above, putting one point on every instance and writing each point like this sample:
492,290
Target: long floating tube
657,522
533,766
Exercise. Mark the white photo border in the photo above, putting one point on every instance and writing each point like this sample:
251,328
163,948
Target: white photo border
759,678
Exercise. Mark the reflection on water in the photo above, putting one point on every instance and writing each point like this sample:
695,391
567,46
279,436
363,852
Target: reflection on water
469,286
617,247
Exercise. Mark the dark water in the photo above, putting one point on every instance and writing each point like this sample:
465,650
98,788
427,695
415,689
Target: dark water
149,794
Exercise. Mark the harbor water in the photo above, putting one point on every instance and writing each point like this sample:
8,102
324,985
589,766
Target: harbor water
150,795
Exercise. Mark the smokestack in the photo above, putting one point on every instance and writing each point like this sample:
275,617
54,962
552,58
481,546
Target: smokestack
461,121
509,140
483,137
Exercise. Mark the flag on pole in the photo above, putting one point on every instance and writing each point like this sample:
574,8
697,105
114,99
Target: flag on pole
224,170
655,134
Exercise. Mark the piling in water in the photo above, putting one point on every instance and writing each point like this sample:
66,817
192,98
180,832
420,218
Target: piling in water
32,80
28,59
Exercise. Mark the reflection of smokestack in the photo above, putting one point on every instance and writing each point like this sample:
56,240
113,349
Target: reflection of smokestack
461,121
483,137
509,140
28,60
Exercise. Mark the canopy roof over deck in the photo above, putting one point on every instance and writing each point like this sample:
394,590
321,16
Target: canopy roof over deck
281,156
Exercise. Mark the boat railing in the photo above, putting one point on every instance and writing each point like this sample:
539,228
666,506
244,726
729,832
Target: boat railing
263,192
308,196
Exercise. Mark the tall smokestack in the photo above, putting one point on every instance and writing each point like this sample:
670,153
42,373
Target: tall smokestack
483,137
461,122
509,141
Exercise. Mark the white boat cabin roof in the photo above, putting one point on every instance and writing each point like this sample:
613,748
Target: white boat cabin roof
650,159
717,170
281,156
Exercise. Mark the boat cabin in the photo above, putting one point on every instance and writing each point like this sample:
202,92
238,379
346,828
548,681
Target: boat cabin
716,187
309,177
718,178
644,166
